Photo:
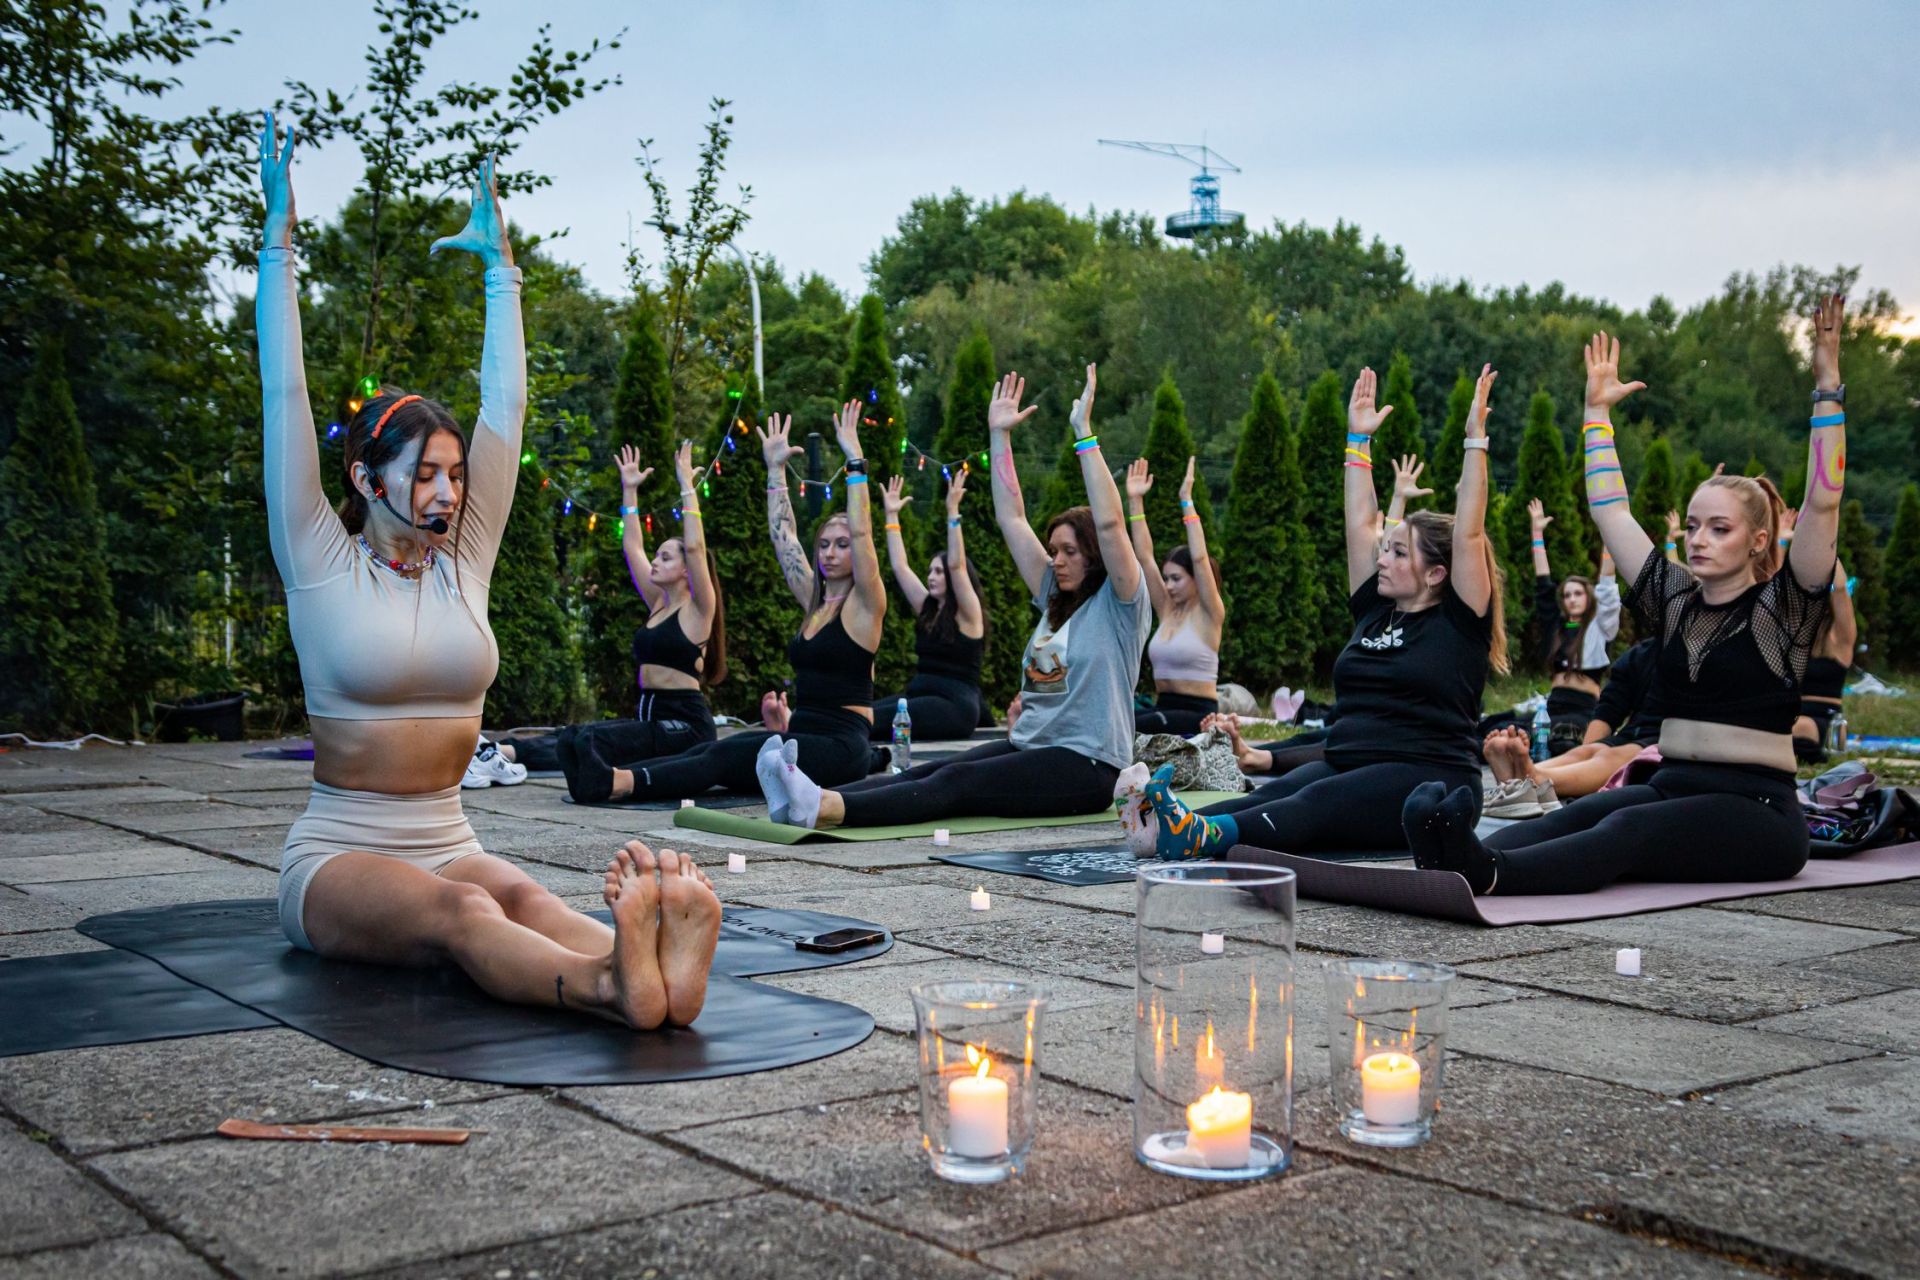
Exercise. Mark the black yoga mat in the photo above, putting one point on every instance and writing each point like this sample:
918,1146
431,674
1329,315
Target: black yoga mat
437,1022
706,800
1096,864
106,997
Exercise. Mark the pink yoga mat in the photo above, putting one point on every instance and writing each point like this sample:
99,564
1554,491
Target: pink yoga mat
1445,895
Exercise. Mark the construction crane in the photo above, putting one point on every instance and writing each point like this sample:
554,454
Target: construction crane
1205,213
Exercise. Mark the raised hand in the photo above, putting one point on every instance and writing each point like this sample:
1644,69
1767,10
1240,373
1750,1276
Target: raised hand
1482,401
485,234
1788,518
1406,477
1139,480
846,429
628,460
276,184
1081,415
1674,526
892,499
1604,388
956,490
1186,485
774,448
1828,322
683,465
1363,417
1003,411
1537,514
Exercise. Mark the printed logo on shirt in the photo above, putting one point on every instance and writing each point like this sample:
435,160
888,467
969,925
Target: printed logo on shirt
1045,670
1389,639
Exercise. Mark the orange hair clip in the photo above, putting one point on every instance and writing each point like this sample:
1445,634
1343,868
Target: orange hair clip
381,425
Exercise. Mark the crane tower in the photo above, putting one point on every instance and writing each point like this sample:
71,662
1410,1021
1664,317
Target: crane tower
1205,213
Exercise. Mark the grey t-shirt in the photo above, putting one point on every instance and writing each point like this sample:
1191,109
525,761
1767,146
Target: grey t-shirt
1076,684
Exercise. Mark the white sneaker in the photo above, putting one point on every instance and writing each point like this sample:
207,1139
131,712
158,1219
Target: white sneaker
489,768
1511,799
1549,799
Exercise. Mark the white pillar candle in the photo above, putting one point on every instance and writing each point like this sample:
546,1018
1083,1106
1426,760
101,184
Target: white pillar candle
1213,944
1626,962
686,804
1390,1089
942,837
977,1113
980,899
1220,1129
737,864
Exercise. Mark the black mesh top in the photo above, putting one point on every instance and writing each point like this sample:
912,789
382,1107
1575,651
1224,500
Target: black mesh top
1739,663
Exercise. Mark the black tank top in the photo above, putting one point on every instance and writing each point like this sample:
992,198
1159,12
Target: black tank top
1826,678
665,644
830,670
955,659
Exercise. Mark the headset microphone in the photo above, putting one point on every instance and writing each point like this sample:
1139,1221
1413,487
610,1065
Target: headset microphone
433,524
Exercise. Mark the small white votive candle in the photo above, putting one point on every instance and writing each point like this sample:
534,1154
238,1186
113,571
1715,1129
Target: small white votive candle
737,864
1220,1129
942,836
1390,1089
980,899
977,1113
1213,944
686,804
1626,962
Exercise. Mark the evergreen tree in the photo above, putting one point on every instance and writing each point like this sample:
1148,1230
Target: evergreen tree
538,680
1265,560
1064,488
761,612
1861,556
1169,445
1902,630
1322,440
869,378
963,432
1655,490
1694,472
1541,474
60,642
1449,454
1401,433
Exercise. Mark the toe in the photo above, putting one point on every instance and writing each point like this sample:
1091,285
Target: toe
643,859
669,863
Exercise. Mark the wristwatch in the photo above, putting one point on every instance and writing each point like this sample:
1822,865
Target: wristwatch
856,466
1838,395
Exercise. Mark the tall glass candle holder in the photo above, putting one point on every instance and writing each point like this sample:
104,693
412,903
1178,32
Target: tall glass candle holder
1213,1020
1388,1036
978,1069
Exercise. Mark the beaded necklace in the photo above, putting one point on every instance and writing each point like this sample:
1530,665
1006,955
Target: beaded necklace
397,566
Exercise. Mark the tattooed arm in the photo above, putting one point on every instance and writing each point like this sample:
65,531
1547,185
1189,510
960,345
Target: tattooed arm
794,565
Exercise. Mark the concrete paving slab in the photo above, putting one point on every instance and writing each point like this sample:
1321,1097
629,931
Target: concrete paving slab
259,845
1693,984
912,908
1872,1098
18,820
311,1209
200,815
1897,965
1664,1055
1084,944
1867,907
882,989
1890,1021
142,1257
46,1203
77,837
71,901
1363,931
145,859
1362,1225
105,801
268,796
1756,939
104,1098
53,942
21,912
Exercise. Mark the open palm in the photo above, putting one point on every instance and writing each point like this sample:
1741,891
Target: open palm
485,234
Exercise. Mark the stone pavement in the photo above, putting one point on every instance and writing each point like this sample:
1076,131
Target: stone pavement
1751,1106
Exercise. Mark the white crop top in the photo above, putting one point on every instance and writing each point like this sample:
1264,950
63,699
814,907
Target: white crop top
1181,654
374,645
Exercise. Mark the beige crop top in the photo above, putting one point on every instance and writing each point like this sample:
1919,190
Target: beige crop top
374,645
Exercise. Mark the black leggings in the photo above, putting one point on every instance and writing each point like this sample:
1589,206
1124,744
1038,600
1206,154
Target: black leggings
833,750
1309,747
1174,713
943,709
1570,712
1318,806
996,780
668,723
1697,823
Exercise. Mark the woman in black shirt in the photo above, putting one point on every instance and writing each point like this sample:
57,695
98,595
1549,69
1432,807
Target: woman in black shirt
949,628
1735,629
1427,624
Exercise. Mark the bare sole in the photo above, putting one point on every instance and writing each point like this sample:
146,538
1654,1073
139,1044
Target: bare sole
689,931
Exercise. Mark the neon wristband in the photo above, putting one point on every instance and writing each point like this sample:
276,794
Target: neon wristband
1673,546
629,511
953,522
1360,453
1538,543
1475,442
1087,444
1602,469
1606,501
1138,515
1598,424
1828,420
891,528
1190,519
1354,437
776,488
856,478
689,513
1186,502
1364,466
1391,521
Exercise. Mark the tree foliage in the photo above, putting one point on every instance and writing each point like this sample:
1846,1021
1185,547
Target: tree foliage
1902,629
964,426
1265,556
1169,445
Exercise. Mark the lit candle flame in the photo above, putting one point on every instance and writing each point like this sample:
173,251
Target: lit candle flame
980,1062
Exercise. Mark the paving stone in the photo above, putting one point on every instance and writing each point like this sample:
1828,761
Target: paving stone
21,912
1644,1050
883,1063
142,1257
1876,1098
52,942
1114,899
65,904
45,1202
1757,939
769,1236
259,845
912,908
1890,1021
20,820
882,989
1867,907
105,801
1897,965
101,1098
312,1209
1363,931
201,815
267,796
866,1156
75,837
1362,1224
1095,945
1693,984
145,859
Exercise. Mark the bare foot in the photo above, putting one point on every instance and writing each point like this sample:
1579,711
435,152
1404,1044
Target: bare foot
1494,750
639,994
689,931
1520,751
774,712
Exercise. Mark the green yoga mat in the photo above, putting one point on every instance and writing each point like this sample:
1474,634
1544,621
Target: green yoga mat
734,824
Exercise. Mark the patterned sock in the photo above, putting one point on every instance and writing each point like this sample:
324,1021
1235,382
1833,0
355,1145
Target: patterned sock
1184,833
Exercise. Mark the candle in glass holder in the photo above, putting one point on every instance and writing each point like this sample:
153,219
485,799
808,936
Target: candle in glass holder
1220,1129
1390,1089
1208,1066
980,899
977,1110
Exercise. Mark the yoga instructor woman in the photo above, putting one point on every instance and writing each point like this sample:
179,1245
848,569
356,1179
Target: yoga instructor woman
387,603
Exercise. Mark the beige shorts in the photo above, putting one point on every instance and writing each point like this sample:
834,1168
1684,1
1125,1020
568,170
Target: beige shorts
427,831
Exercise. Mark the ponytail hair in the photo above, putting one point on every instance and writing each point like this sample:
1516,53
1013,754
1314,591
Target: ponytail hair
1764,508
1432,534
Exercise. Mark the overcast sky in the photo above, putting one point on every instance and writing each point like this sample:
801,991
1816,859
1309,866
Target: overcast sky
1625,149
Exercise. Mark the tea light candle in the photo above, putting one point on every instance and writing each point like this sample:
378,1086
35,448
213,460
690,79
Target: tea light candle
737,864
1220,1129
686,804
942,837
979,899
1626,962
1213,944
977,1112
1390,1089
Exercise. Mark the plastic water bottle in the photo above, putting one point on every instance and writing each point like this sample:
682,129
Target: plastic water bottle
1542,732
1837,732
902,739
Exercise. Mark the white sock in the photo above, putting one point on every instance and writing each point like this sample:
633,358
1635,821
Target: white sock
769,768
803,793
